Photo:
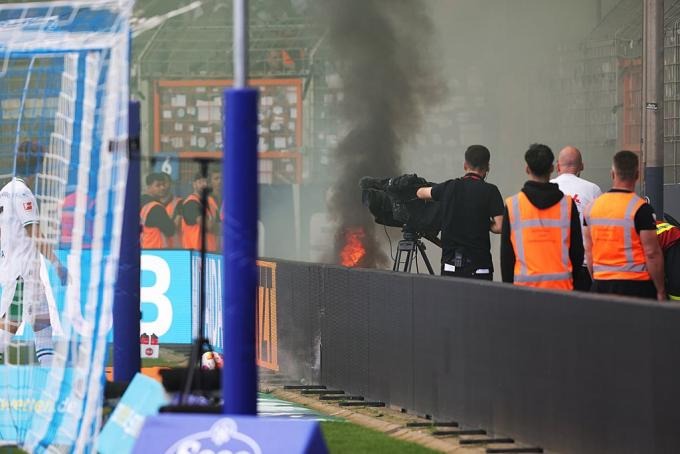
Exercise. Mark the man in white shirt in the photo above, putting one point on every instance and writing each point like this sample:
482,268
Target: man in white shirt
21,244
583,192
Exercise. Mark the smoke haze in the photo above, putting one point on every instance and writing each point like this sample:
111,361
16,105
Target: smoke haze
424,79
382,51
506,63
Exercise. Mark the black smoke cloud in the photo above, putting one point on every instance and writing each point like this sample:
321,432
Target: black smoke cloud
382,51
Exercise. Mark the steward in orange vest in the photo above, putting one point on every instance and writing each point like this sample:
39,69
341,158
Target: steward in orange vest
541,242
157,226
192,211
622,249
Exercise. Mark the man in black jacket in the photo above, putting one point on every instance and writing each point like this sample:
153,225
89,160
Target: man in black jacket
471,208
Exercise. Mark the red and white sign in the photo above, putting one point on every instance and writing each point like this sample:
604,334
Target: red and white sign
148,346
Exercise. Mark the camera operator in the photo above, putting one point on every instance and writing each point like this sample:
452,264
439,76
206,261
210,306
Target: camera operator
471,208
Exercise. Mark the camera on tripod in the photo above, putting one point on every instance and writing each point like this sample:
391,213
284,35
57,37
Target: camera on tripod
393,202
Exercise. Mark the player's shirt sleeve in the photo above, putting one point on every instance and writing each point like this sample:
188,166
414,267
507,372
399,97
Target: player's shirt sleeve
26,208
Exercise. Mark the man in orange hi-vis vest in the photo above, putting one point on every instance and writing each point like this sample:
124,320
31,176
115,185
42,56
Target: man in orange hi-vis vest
622,250
541,242
157,226
192,214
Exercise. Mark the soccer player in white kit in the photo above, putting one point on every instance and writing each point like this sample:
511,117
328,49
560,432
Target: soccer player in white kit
583,192
21,244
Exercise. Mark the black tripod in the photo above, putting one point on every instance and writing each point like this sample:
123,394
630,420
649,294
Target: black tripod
194,377
409,246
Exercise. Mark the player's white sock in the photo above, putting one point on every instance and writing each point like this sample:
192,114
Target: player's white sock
5,338
44,346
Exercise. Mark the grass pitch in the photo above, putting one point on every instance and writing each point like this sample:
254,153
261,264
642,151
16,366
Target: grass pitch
345,437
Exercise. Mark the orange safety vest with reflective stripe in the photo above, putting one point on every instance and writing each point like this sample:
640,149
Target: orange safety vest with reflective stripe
151,237
174,241
617,251
191,234
541,240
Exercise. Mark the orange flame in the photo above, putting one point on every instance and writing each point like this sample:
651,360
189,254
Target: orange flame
353,250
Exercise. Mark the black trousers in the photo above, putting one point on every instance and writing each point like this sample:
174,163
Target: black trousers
641,289
469,273
582,280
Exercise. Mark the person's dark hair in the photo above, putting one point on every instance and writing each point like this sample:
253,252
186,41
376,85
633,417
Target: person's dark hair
29,158
540,159
478,156
154,177
626,165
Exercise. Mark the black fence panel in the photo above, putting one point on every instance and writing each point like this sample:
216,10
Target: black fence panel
298,321
344,338
390,345
336,328
555,368
571,372
665,339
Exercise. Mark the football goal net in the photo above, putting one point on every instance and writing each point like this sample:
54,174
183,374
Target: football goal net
63,166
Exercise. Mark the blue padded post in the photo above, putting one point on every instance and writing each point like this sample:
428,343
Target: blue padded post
239,375
126,312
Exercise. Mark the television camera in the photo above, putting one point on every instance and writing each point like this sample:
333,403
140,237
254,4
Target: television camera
393,202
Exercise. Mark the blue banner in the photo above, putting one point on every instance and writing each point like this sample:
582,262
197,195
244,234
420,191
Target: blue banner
169,295
213,296
23,400
143,397
166,296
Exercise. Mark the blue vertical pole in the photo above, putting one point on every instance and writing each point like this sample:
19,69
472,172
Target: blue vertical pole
126,314
239,375
239,229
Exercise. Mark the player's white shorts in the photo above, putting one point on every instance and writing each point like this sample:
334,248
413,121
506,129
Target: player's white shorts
23,299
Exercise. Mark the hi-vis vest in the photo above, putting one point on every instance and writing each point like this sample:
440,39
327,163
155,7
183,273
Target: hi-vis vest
668,235
191,234
541,239
175,241
617,251
662,227
152,237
